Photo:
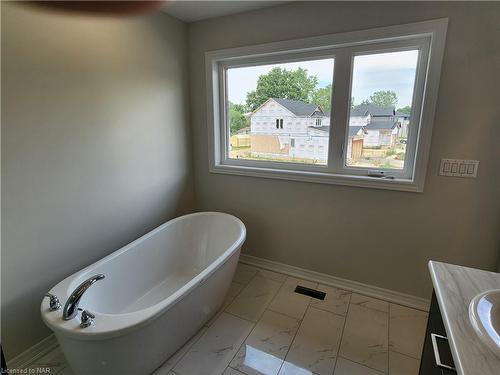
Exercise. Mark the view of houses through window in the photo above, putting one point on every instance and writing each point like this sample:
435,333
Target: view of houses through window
281,112
378,125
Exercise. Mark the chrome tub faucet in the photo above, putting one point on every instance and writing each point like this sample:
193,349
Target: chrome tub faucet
54,302
71,306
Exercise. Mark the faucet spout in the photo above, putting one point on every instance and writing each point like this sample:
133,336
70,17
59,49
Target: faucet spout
71,306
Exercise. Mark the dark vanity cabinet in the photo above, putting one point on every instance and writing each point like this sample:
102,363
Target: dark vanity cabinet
436,354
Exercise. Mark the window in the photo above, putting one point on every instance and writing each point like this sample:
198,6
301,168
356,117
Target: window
370,126
384,83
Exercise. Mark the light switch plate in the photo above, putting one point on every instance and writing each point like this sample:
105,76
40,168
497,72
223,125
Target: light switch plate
459,168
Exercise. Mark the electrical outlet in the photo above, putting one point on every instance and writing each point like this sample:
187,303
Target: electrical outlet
459,168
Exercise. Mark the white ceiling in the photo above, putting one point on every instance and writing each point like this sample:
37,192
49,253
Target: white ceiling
190,11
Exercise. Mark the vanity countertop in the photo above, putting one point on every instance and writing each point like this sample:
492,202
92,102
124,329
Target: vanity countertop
455,286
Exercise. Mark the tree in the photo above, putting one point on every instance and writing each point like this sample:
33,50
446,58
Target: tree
323,98
283,84
385,98
406,110
237,119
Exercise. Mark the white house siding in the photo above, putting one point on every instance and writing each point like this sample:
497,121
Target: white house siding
263,121
307,144
385,138
378,137
359,120
403,130
371,138
313,147
349,148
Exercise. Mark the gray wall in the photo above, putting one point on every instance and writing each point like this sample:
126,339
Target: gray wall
95,146
383,238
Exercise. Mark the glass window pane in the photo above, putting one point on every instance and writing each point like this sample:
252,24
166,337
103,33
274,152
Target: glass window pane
382,92
280,112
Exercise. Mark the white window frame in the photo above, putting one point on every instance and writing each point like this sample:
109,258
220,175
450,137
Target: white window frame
428,36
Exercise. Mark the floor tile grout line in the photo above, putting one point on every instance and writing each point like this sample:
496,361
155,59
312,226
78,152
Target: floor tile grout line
263,269
379,311
342,335
375,298
294,336
265,308
251,279
246,337
361,364
260,317
205,327
267,305
281,313
254,323
241,290
232,300
243,343
318,306
325,310
223,309
187,351
389,344
240,317
250,321
237,282
406,355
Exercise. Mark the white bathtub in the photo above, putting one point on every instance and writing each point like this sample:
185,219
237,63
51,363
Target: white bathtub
158,291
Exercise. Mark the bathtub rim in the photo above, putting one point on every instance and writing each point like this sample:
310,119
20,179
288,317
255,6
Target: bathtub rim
120,324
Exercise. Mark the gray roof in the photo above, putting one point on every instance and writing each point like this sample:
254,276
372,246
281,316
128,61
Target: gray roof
372,109
378,125
353,130
401,114
298,107
321,128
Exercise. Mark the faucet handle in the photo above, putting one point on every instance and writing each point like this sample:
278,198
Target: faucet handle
86,319
54,303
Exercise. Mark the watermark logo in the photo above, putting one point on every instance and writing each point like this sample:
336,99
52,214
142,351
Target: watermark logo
30,370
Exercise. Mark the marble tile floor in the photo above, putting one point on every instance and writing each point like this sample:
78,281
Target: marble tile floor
266,328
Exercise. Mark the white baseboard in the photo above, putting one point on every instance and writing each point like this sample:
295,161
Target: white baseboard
354,286
29,356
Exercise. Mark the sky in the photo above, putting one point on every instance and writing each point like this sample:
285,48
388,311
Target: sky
384,71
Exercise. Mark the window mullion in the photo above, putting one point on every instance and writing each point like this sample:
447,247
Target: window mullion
340,111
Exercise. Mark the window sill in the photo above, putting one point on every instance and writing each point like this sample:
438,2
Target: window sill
320,178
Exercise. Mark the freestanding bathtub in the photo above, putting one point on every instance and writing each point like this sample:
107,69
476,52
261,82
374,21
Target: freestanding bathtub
158,291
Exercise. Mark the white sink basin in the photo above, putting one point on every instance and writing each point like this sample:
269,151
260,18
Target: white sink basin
484,314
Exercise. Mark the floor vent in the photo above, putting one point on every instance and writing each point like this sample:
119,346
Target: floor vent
310,292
